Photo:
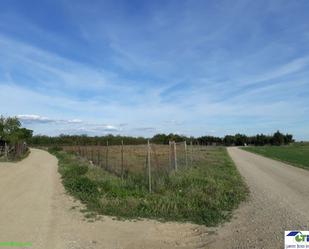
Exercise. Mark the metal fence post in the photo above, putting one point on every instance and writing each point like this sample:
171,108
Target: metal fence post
122,160
170,155
98,154
149,166
191,145
106,159
186,154
92,154
175,157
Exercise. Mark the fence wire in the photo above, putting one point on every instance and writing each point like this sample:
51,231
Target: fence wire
154,161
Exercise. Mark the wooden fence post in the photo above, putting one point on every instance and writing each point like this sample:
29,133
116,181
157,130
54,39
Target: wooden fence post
175,157
149,166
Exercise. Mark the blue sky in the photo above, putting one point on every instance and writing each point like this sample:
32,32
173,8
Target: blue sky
144,67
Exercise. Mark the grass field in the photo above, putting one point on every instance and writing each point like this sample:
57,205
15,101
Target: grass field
204,194
296,154
134,156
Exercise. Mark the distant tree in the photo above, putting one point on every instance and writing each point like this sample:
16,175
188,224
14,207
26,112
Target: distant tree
278,138
288,138
240,139
229,140
209,140
160,139
25,134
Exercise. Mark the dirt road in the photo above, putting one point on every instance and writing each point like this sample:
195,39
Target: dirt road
34,208
279,201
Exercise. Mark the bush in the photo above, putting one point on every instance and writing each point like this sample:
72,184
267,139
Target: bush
54,149
74,171
82,188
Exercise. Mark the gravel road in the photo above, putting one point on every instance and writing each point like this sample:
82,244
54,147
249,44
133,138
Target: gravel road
34,208
279,201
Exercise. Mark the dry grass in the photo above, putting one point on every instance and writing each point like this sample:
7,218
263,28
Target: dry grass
205,193
135,157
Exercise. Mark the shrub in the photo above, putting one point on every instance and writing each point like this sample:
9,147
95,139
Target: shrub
82,188
54,149
74,171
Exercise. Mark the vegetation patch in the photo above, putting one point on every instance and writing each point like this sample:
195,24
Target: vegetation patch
12,139
204,194
296,154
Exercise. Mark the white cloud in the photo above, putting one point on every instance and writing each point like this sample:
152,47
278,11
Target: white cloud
79,125
51,71
34,118
142,89
291,67
74,121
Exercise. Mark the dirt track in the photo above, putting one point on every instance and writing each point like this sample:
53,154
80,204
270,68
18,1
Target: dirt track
34,208
279,201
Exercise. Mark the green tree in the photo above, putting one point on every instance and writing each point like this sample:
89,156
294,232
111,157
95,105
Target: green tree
278,138
11,131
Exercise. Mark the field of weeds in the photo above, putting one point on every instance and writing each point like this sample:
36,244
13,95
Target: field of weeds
204,193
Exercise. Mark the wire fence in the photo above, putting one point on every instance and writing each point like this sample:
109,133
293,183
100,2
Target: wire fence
153,161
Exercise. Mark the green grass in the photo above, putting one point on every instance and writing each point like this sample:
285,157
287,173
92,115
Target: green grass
296,154
205,194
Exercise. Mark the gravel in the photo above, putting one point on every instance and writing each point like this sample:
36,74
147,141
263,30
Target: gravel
279,201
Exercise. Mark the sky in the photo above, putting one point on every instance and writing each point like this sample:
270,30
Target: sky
209,67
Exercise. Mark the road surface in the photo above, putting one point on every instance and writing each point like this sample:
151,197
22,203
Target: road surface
279,201
34,208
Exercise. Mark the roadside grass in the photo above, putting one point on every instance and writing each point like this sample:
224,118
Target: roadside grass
296,154
204,194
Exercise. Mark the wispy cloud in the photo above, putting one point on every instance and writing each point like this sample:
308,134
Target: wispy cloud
32,118
191,67
76,125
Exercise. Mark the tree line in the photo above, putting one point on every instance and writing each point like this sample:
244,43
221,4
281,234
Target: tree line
11,133
277,138
85,140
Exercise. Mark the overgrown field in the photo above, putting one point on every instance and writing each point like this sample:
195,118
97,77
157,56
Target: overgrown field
206,193
296,154
133,158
